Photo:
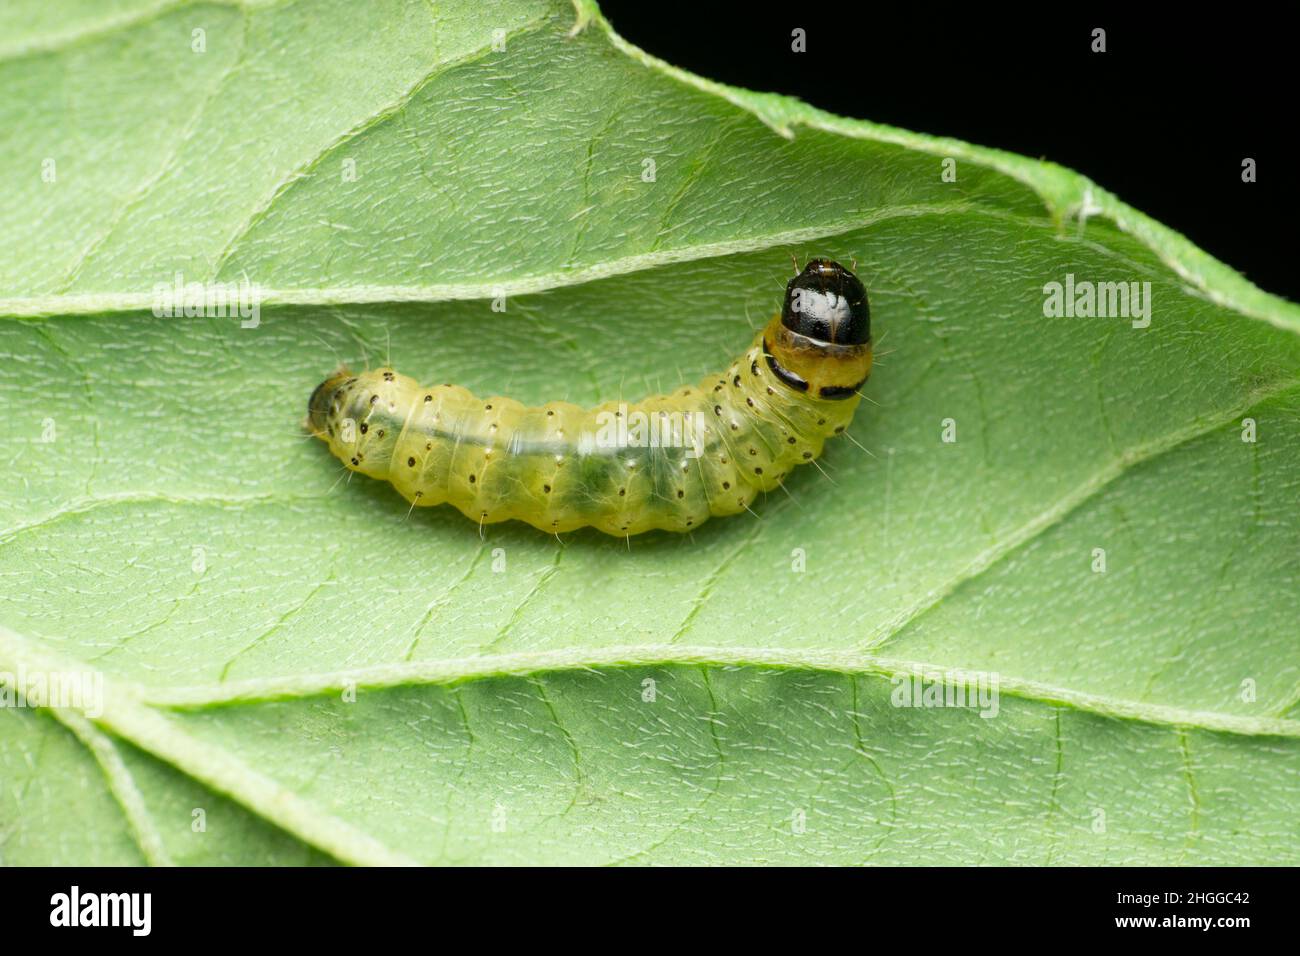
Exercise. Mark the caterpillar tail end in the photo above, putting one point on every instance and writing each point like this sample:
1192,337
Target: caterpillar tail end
318,406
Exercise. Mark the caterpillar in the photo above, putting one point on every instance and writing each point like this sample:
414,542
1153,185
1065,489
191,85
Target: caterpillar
669,462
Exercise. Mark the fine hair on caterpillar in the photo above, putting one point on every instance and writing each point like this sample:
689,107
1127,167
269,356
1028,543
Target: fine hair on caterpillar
669,462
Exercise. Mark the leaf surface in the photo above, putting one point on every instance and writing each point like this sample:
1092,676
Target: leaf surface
382,174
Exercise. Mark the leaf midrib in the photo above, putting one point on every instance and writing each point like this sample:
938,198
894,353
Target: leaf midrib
1064,192
17,650
138,714
107,303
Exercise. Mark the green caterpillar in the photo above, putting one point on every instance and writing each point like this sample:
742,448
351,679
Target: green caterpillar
669,462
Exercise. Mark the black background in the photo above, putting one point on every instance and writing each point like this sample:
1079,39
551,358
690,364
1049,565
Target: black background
929,908
1163,118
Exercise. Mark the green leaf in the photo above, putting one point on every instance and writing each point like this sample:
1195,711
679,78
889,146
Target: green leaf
328,678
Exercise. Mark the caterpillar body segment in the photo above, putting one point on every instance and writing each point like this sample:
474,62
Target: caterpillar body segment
669,462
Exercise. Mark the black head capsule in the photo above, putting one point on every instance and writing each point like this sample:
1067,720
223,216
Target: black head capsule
828,304
820,344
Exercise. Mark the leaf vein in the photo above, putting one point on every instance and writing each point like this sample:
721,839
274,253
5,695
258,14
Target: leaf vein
1065,506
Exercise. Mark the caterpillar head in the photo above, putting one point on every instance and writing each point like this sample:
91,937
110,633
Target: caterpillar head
821,342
